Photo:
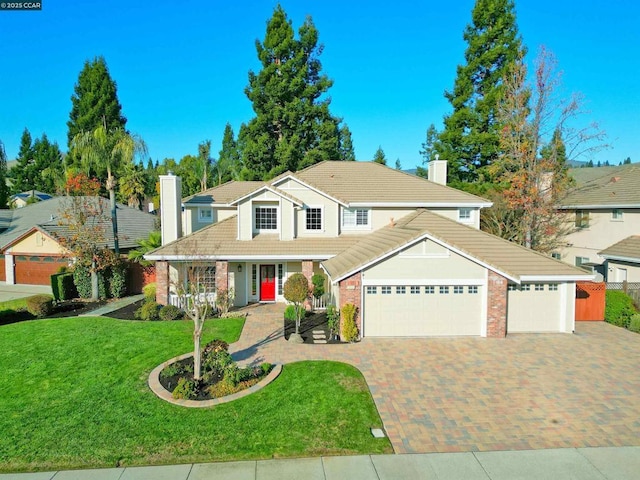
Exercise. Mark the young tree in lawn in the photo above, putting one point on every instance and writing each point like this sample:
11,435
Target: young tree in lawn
470,139
379,156
296,290
536,173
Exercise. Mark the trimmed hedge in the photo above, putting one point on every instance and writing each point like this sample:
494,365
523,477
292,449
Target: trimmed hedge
619,308
63,287
40,305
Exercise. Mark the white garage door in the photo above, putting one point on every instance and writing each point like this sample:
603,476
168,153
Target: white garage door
422,310
534,308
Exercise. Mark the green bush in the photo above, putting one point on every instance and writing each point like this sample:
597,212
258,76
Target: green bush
63,287
266,368
318,285
333,319
40,305
634,323
62,269
170,312
213,346
290,313
82,280
148,312
349,327
619,308
149,291
118,281
186,389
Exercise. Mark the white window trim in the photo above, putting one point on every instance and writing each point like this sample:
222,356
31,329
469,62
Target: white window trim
306,209
256,206
462,219
201,210
355,227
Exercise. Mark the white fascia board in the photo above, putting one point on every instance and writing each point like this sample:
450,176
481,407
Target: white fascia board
621,259
184,258
557,278
597,207
421,204
439,242
266,187
205,204
320,192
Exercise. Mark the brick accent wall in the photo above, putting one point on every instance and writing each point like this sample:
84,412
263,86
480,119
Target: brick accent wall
162,282
496,305
350,292
307,271
222,275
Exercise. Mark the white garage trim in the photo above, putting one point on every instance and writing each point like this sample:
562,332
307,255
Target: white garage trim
424,281
483,308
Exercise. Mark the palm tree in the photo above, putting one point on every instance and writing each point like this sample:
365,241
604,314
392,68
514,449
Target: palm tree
102,148
145,245
132,185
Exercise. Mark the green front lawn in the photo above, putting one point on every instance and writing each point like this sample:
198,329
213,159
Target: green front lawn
74,394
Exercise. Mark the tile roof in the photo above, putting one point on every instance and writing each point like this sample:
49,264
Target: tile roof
512,260
370,182
605,187
224,194
627,249
133,224
220,241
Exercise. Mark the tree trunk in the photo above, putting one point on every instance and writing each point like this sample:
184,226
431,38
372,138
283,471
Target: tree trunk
114,218
197,354
94,281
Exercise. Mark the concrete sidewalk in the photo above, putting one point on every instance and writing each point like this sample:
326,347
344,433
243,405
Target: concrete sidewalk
607,463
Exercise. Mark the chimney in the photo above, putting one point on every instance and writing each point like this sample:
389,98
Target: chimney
170,207
438,171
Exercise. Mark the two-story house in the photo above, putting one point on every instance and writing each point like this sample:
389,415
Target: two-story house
605,208
406,251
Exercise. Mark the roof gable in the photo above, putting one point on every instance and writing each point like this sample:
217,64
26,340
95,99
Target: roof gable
625,250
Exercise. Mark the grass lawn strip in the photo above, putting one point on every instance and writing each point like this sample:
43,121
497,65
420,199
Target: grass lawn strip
74,395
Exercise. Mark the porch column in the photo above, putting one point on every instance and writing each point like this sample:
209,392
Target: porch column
222,275
9,270
162,282
307,271
496,305
351,292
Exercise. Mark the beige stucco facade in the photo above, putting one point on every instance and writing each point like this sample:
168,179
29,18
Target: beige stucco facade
37,243
618,271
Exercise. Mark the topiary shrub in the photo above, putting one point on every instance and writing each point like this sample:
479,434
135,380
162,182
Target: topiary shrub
634,323
40,305
149,291
318,285
118,281
349,327
82,280
148,312
186,389
170,312
619,308
63,287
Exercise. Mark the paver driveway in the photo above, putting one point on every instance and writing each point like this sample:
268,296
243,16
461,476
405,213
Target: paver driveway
527,391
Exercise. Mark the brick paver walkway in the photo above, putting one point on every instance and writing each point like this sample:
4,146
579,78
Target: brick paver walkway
526,391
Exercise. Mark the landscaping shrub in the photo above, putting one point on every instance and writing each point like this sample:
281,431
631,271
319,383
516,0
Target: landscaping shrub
118,280
224,300
170,312
333,319
214,346
186,389
40,305
318,285
619,308
63,287
149,311
82,280
634,323
349,327
216,363
149,291
266,367
290,313
62,269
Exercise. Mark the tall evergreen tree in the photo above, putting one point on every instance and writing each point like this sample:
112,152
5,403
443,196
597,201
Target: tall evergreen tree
293,127
380,157
19,172
471,136
39,165
4,189
228,165
346,144
94,102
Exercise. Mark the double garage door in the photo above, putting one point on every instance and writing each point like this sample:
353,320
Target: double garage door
422,310
36,270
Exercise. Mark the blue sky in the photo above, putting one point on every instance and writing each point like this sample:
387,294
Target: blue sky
181,67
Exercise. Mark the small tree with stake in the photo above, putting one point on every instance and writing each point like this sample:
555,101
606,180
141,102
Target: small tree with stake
296,291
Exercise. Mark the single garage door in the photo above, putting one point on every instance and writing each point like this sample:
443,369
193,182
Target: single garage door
422,310
36,270
533,307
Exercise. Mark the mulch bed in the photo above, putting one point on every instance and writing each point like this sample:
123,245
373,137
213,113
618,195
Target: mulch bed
314,321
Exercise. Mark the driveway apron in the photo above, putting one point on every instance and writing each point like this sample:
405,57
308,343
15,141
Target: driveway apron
525,391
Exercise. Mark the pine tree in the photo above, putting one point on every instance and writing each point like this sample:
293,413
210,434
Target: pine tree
471,137
228,165
379,156
346,145
94,101
4,189
19,173
293,127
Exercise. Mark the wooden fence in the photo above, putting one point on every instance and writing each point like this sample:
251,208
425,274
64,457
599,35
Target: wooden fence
590,301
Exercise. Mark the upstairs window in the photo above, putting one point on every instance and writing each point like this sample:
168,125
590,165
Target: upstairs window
205,215
314,218
616,215
355,218
266,218
582,218
464,215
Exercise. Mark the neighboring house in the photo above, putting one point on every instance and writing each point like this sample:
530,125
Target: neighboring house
22,199
622,260
406,251
605,208
30,251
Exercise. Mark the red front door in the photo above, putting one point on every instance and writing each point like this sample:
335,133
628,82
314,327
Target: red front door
267,283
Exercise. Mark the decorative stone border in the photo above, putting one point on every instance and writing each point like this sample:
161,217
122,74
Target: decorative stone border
164,394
